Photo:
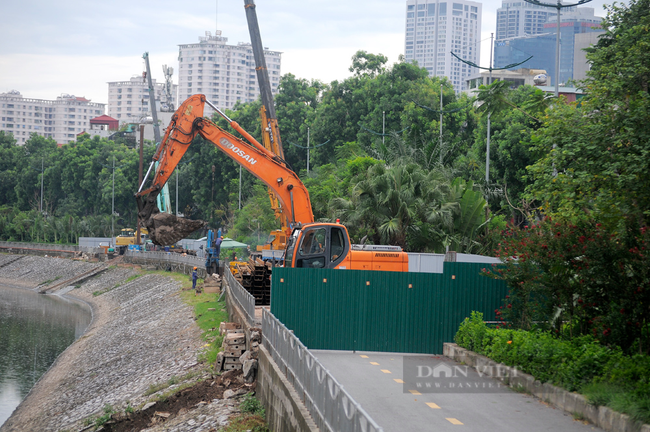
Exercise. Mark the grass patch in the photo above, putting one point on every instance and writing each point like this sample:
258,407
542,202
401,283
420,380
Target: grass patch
208,321
101,420
252,418
49,281
618,399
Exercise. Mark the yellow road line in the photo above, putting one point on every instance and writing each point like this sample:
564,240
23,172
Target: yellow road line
415,392
385,371
399,381
432,405
363,356
374,363
453,421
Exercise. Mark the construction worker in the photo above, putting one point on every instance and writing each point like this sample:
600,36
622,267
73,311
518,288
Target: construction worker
217,245
195,276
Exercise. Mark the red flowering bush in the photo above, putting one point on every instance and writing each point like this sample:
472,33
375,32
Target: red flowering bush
578,279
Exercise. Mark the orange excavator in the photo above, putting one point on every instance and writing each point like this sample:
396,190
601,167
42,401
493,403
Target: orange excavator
310,244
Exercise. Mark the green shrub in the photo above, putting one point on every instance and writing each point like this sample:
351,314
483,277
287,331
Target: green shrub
605,375
471,332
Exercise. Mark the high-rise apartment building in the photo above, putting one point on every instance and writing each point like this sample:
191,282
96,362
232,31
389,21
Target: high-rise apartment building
542,46
435,28
224,73
518,18
128,101
61,119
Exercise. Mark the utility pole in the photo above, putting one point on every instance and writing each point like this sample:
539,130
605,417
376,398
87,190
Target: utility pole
113,204
42,175
487,153
383,126
440,145
307,150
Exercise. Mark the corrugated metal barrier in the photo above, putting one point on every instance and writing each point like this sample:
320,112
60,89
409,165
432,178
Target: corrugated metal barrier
331,407
382,311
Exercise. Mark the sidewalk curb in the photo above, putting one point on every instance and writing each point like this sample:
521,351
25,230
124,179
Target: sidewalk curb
571,402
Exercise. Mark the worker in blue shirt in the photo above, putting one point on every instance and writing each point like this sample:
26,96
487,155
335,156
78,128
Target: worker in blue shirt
195,276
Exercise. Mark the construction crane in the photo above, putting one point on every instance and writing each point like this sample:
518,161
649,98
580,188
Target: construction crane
270,130
164,202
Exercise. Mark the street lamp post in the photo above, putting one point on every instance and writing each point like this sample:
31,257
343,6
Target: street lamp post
557,6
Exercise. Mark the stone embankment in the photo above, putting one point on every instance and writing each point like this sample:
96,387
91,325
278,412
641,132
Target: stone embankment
142,337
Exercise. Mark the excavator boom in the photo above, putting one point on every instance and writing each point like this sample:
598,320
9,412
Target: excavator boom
186,123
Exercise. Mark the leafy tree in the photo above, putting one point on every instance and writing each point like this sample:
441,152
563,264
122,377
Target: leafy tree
593,157
365,63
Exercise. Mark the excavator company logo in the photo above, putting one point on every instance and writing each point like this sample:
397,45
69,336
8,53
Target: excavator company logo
387,255
236,150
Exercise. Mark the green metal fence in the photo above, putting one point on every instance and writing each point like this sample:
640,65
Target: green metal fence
382,311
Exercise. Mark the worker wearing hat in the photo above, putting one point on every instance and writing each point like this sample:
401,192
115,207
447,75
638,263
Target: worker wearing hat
195,276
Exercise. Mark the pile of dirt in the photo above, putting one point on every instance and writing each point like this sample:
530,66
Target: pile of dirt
166,229
227,385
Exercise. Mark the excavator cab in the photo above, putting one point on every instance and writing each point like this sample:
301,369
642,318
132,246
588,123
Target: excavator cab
317,246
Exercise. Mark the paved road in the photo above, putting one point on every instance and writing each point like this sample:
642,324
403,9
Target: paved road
468,402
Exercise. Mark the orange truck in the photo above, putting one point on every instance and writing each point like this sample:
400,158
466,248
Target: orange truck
310,244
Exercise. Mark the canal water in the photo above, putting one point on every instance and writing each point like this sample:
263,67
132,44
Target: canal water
34,330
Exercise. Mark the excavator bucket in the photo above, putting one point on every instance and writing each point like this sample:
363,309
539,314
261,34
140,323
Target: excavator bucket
166,229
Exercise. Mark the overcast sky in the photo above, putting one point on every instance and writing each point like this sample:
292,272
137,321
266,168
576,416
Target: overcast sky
76,47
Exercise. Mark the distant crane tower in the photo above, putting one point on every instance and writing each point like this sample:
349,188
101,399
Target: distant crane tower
167,101
164,203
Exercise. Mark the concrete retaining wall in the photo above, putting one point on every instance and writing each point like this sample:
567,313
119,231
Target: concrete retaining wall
571,402
42,249
285,410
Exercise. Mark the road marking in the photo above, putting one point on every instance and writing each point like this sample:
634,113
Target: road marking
415,392
385,371
363,356
432,405
374,363
453,421
399,381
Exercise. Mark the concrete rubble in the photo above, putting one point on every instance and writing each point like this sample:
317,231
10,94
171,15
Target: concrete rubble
142,335
240,350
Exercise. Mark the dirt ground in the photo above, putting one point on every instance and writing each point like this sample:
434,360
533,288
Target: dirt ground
180,403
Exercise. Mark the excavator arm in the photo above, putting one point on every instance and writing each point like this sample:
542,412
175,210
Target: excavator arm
186,123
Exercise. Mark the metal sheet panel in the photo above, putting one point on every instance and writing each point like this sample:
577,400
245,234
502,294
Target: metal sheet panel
382,311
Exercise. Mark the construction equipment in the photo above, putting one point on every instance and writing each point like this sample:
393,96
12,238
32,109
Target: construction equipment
128,237
315,245
270,129
212,252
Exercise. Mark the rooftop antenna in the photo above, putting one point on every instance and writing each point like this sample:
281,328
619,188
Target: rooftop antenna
216,17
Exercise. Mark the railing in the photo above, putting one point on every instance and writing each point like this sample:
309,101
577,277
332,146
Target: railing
167,261
243,298
46,247
331,407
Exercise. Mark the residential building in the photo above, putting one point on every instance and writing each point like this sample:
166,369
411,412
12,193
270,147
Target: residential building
128,101
516,77
224,73
61,119
542,46
435,28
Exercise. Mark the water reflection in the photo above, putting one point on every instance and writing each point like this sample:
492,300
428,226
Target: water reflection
34,330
